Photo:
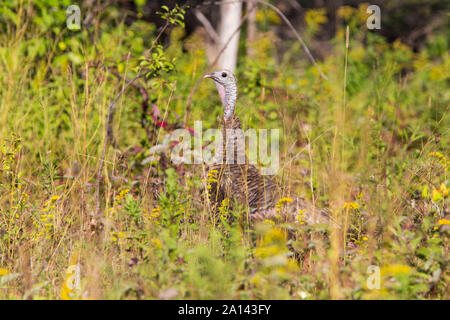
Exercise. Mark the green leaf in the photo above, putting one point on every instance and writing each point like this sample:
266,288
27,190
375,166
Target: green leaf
425,192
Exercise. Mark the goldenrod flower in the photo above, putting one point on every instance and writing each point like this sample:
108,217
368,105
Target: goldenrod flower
284,200
351,205
315,17
441,157
345,12
436,195
444,189
3,272
396,269
301,216
157,242
223,209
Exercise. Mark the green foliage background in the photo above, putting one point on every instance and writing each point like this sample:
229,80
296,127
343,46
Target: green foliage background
380,162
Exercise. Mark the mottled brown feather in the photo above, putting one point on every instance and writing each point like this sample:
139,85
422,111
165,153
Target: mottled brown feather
244,184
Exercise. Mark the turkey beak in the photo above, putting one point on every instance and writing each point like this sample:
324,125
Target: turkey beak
210,76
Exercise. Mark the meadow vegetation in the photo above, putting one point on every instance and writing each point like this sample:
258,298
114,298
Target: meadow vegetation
378,159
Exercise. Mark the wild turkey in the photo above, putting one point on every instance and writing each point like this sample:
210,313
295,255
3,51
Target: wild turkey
242,182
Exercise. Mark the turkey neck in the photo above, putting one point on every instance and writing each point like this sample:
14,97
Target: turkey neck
231,121
229,101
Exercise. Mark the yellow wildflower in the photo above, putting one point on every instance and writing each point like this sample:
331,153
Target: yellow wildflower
436,195
437,73
345,12
157,242
396,269
280,203
154,215
315,17
3,272
421,60
441,158
351,205
362,12
301,216
444,189
223,209
302,82
285,199
116,236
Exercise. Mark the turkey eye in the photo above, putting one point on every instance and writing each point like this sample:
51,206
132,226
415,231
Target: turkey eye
224,74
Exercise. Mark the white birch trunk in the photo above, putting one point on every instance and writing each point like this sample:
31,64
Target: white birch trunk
230,17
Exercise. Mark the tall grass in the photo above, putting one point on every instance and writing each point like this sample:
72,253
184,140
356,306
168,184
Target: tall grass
371,144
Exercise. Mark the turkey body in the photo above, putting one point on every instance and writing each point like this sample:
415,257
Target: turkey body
241,182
